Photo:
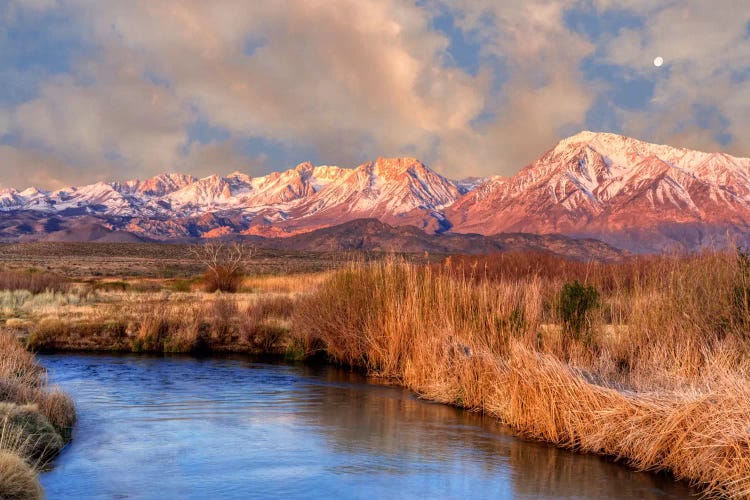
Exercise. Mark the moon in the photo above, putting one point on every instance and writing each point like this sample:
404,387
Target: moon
658,61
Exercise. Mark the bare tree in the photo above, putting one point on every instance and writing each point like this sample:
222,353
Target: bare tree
224,262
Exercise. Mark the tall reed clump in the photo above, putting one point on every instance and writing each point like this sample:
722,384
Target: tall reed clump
658,381
32,280
35,420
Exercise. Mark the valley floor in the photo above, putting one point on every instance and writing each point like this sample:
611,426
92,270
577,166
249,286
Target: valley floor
646,360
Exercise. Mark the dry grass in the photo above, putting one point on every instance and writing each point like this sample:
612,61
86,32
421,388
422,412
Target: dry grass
18,480
23,382
33,281
19,302
660,383
35,420
170,322
657,374
285,284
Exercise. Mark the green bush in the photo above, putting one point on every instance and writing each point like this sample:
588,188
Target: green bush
575,302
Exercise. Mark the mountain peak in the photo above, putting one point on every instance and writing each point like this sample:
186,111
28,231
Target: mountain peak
598,184
240,177
390,168
31,191
305,166
589,137
582,136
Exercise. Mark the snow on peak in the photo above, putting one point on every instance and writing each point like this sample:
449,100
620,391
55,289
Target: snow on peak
30,191
239,176
156,186
583,178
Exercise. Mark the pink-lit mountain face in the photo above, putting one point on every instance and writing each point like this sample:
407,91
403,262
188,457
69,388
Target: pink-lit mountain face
399,191
623,191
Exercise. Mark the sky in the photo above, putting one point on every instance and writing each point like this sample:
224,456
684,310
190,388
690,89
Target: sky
117,89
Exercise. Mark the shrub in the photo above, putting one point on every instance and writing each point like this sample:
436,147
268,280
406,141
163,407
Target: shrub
575,302
190,337
259,325
153,330
222,316
222,279
224,264
111,286
181,285
146,286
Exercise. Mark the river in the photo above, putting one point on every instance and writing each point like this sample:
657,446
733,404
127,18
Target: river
180,427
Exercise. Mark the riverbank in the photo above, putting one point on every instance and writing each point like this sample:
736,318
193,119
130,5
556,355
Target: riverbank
645,361
161,427
35,421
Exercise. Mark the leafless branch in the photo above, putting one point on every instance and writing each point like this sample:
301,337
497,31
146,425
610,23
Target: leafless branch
223,261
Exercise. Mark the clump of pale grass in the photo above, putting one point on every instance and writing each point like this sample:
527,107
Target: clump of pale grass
48,302
18,479
43,441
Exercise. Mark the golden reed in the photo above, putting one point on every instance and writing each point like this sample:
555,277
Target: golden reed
659,381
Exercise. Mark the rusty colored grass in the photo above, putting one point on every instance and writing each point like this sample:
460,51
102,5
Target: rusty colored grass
661,384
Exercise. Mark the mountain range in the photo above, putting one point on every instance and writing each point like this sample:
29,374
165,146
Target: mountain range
630,194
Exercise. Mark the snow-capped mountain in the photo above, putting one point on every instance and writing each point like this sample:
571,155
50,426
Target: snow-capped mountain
160,185
401,191
626,192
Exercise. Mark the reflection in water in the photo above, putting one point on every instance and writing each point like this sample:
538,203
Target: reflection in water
181,427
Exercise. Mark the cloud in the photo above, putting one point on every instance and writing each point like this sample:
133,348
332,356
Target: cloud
23,168
352,79
544,97
347,80
704,46
119,116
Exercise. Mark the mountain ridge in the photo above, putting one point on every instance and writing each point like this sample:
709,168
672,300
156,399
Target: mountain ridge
629,193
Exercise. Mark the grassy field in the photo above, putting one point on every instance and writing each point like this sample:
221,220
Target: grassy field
646,360
94,261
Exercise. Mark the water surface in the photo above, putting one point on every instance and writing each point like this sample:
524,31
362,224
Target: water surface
179,427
